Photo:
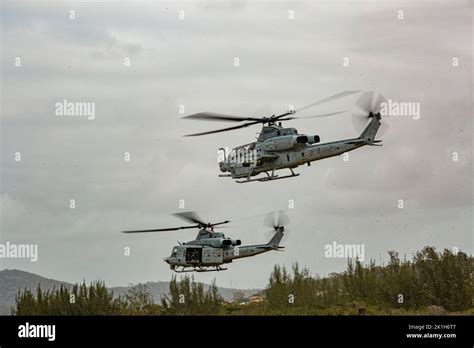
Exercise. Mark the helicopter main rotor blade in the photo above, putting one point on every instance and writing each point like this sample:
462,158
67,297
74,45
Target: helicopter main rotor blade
220,223
224,129
162,229
213,116
279,117
328,99
255,120
316,116
190,216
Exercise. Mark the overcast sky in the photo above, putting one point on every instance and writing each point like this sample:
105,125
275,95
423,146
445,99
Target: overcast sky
190,62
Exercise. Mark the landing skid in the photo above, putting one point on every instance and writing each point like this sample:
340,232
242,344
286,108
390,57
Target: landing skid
183,269
276,177
268,177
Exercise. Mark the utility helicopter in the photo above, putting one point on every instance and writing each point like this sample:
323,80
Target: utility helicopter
279,147
211,249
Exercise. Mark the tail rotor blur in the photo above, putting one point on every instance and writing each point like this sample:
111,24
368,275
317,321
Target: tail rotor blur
367,106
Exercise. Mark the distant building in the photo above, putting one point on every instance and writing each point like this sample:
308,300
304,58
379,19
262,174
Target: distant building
255,298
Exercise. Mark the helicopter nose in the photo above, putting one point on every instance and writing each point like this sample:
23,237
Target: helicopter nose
167,260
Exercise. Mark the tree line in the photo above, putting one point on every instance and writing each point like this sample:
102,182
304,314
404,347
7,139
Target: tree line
431,279
185,297
442,279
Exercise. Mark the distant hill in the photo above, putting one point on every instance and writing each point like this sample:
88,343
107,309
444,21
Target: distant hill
13,280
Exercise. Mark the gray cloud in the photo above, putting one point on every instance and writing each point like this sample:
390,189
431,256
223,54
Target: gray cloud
190,62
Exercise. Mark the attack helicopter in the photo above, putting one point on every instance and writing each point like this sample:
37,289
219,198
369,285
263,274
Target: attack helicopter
211,249
279,147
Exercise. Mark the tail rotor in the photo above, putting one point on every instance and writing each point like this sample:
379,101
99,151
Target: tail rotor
276,221
368,106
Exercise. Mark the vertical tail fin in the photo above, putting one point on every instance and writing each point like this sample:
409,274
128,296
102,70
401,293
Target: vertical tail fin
275,241
371,129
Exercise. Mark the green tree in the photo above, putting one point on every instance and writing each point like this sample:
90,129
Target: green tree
188,297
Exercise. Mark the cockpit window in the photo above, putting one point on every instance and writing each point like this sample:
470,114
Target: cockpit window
175,251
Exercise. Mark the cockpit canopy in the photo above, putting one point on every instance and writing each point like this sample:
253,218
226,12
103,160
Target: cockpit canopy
241,153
